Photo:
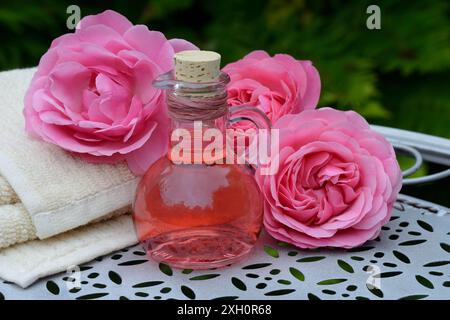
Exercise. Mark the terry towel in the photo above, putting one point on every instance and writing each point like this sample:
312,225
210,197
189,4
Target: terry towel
45,191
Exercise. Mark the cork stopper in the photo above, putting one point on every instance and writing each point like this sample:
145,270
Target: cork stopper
197,66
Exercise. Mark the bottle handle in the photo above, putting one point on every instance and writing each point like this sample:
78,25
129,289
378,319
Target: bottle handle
261,121
249,113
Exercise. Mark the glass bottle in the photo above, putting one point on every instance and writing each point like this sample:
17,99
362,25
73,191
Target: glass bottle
199,214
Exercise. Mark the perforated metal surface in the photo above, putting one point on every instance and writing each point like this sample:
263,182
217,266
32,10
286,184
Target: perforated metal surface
411,259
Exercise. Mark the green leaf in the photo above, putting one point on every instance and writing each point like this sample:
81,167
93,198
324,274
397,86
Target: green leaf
345,266
412,242
330,292
132,262
424,281
283,244
311,259
445,247
187,271
166,269
188,292
436,263
238,284
271,251
85,268
356,258
330,282
115,277
297,274
275,271
389,274
226,298
377,292
425,225
312,297
75,290
400,256
261,285
52,287
360,249
165,290
414,297
147,284
284,281
92,296
279,292
256,266
141,294
351,288
205,277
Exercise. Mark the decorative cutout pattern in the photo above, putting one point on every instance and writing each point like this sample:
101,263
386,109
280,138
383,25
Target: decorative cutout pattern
410,260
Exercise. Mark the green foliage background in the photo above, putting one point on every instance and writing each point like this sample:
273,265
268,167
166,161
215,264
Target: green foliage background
398,76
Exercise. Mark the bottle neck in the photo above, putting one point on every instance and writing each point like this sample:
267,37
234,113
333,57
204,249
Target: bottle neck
197,106
197,136
198,112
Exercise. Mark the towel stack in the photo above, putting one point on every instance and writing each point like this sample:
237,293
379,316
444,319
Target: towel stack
54,206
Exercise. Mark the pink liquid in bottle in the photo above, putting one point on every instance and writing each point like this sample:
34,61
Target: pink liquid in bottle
197,216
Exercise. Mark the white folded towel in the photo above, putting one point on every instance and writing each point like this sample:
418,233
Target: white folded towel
45,191
7,194
24,263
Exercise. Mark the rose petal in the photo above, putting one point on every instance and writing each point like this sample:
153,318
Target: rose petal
108,18
181,45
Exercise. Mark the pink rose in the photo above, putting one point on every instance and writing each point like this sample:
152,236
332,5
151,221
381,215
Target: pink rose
336,184
92,93
277,85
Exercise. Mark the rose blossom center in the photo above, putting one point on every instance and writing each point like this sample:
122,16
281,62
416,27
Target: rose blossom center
321,185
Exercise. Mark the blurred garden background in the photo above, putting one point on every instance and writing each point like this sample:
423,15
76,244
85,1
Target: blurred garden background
398,76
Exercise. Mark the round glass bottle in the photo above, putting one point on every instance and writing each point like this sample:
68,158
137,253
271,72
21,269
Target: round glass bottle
199,214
